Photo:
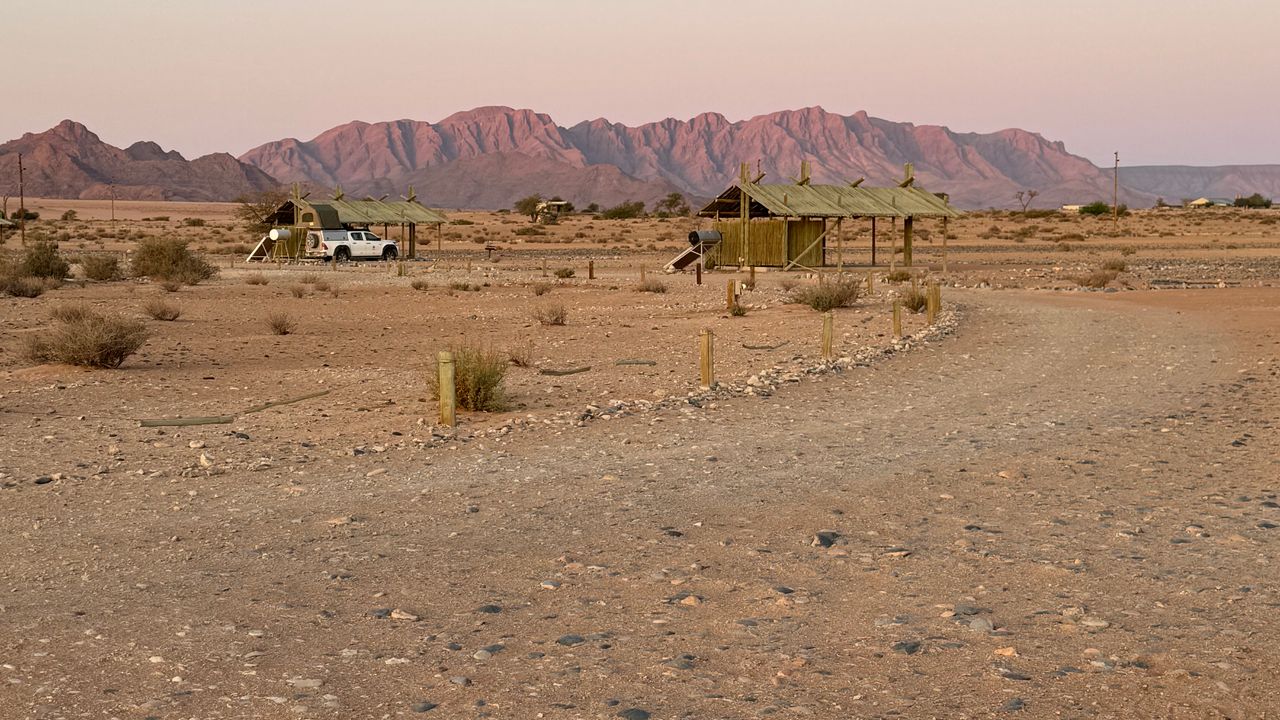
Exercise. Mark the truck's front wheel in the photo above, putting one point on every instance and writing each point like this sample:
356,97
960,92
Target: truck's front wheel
342,254
389,253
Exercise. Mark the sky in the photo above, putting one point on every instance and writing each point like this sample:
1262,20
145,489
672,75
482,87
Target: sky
1161,82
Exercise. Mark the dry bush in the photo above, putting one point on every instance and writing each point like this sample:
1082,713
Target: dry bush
298,290
652,285
101,267
543,288
478,377
564,273
828,296
1128,250
23,286
81,336
551,314
256,279
309,278
463,286
915,300
158,309
788,284
898,276
73,313
281,323
321,286
521,355
738,310
171,285
1115,264
419,284
1096,279
42,260
170,259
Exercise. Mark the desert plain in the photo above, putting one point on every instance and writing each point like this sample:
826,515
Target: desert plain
1056,500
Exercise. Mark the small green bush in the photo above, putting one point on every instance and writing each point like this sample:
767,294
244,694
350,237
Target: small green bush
42,260
478,377
69,216
193,222
564,273
624,211
170,259
101,267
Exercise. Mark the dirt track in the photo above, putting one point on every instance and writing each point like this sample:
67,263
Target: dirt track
1095,476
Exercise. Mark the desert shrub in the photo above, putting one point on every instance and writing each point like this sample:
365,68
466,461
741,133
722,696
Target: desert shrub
788,284
1063,247
898,276
478,377
1095,208
42,260
624,211
1255,200
828,296
309,278
69,216
419,284
551,314
321,286
1071,237
989,233
170,285
1038,213
86,337
738,310
461,221
73,313
543,288
521,355
256,279
24,214
1115,264
158,309
281,323
23,286
463,286
1096,279
564,273
652,285
915,300
530,230
298,290
170,259
101,267
193,222
1128,250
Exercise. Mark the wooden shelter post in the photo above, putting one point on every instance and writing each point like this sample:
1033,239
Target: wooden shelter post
908,233
873,241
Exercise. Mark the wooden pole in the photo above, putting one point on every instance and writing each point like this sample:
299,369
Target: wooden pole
641,274
751,282
828,322
697,271
448,398
22,203
871,282
591,269
908,233
897,318
893,247
840,243
930,308
544,267
944,244
707,357
731,295
873,242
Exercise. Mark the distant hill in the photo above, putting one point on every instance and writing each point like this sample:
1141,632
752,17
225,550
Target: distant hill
698,157
69,161
1175,183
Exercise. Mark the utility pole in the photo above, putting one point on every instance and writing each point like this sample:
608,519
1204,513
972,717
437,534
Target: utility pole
113,203
22,204
1115,194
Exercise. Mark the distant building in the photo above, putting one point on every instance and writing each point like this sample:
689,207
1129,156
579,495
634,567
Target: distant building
1071,208
1209,202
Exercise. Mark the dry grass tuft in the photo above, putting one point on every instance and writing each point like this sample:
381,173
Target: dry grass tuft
82,336
256,279
298,290
830,295
101,267
521,355
309,278
170,285
543,288
1097,279
420,284
1115,264
551,314
564,273
915,300
651,285
281,323
897,276
159,309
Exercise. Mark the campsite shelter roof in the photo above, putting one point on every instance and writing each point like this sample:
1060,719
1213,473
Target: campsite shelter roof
828,201
333,214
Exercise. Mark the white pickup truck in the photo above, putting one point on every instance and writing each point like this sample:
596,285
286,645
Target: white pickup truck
344,245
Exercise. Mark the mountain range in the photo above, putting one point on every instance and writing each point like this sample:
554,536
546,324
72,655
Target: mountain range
490,156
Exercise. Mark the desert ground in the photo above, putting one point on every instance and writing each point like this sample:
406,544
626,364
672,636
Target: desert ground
1056,501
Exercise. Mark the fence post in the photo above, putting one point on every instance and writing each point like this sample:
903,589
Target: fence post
731,297
828,322
698,271
897,318
707,356
642,275
931,310
544,267
871,282
448,397
591,269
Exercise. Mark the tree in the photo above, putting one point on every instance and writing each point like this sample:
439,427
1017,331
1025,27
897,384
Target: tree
593,208
624,210
1253,201
1025,197
254,210
529,206
673,204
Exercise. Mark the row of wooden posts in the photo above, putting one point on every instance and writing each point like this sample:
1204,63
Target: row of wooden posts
706,346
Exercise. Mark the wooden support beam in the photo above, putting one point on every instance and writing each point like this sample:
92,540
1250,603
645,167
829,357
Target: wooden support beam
873,242
908,234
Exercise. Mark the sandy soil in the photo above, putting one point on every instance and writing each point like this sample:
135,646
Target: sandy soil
1066,508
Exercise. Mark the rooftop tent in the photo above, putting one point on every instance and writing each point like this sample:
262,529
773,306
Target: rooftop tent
340,213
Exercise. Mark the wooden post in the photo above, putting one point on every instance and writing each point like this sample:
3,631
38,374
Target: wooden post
871,282
731,296
908,233
544,267
944,244
707,356
828,322
930,309
439,238
751,282
468,267
448,398
893,248
641,274
873,242
697,269
591,269
333,263
840,244
897,318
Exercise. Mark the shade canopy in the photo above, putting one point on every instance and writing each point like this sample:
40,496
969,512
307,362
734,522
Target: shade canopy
827,201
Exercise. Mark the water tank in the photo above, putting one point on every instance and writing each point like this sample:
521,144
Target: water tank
705,237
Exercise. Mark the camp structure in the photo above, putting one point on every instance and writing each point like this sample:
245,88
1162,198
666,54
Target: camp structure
299,214
801,224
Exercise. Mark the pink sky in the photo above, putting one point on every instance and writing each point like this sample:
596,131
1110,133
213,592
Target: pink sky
1172,82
